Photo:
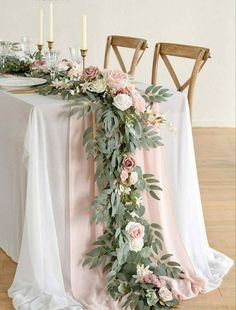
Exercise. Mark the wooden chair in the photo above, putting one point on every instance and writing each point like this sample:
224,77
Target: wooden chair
199,54
139,45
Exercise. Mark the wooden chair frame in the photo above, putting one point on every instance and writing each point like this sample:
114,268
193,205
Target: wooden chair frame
139,45
200,54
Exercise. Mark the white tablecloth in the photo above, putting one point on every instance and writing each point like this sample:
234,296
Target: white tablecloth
34,133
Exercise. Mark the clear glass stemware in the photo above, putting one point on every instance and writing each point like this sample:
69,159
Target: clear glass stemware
51,58
26,45
75,55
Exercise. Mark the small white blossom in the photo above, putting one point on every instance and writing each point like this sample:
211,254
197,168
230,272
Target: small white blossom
133,179
62,84
85,86
139,200
123,189
141,272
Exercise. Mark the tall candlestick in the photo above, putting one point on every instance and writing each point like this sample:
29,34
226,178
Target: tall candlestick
50,21
83,43
40,27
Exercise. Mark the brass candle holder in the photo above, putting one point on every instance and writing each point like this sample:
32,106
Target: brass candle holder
84,54
40,48
39,54
50,45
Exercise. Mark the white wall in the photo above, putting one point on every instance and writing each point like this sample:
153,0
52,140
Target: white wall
208,23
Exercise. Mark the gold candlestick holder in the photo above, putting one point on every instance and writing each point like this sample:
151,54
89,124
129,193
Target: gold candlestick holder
50,45
84,54
39,54
40,48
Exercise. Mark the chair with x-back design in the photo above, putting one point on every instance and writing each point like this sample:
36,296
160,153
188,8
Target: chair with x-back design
199,54
139,45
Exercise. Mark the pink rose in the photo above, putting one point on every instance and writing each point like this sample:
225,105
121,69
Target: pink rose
128,163
165,294
39,65
63,65
121,91
139,103
124,175
154,279
117,79
91,73
135,230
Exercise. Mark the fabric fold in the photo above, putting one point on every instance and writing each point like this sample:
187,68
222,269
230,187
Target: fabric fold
39,281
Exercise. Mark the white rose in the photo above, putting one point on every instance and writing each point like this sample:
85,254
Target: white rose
133,178
98,86
165,294
122,102
136,244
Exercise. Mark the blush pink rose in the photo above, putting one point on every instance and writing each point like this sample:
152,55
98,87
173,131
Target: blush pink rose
124,176
128,163
135,230
39,65
63,65
121,91
139,103
116,79
91,73
154,279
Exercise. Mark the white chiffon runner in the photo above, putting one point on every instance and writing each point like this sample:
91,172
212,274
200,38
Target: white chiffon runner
39,282
43,276
181,176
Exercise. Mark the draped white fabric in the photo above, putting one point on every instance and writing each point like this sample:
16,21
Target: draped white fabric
42,279
181,174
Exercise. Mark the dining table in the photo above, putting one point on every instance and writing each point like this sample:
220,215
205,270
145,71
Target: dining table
46,191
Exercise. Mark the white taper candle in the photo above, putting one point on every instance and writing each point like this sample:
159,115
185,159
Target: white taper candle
51,21
83,36
41,27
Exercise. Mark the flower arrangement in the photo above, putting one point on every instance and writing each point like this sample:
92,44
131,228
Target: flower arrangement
130,250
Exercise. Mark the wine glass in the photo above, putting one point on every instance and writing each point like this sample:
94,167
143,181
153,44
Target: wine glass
51,58
4,51
75,55
26,45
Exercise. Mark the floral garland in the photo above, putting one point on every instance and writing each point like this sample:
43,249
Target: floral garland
130,248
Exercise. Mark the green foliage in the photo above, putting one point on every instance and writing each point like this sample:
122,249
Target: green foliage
14,65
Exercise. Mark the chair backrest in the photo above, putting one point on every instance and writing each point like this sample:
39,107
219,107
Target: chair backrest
139,45
199,54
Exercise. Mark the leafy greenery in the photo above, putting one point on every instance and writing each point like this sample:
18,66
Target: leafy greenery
14,65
